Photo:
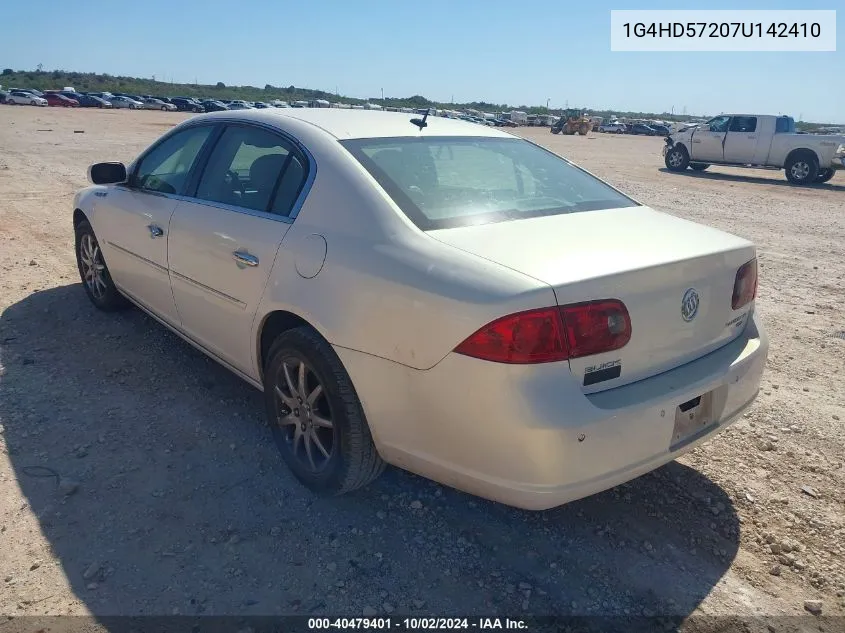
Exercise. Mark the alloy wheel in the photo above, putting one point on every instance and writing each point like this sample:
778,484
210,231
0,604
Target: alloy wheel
676,159
304,415
800,170
93,267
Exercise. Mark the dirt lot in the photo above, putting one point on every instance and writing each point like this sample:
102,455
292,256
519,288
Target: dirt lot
138,477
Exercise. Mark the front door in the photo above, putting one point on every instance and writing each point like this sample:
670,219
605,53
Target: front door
741,141
708,140
136,217
223,243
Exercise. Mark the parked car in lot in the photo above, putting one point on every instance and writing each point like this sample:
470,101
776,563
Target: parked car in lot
240,105
33,91
90,101
642,129
19,97
60,100
613,128
106,96
580,378
184,104
3,96
120,101
757,140
212,105
261,105
158,104
662,130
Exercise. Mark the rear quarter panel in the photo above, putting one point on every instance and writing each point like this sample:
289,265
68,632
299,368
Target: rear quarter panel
385,288
824,147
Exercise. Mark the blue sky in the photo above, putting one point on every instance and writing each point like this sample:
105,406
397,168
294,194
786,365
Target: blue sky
492,50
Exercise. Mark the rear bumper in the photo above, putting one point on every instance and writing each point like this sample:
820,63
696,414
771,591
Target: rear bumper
526,436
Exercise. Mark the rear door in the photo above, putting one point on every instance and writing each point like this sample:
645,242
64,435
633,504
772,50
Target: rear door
132,220
224,241
708,140
741,140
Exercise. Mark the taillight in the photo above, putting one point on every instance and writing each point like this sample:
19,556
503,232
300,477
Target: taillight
525,337
552,334
745,285
596,327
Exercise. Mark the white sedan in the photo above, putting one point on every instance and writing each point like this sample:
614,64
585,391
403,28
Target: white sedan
20,97
433,294
158,104
126,103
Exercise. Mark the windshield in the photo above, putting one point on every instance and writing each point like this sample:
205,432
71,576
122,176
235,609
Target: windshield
445,182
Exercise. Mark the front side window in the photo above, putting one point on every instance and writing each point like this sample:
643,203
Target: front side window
255,169
166,167
719,124
461,181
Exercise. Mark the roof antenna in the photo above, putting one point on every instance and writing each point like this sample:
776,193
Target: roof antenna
420,123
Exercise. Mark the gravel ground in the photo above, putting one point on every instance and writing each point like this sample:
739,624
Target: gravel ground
138,476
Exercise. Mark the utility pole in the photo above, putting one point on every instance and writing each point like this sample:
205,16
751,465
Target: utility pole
547,103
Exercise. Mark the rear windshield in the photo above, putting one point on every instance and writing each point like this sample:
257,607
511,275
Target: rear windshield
446,182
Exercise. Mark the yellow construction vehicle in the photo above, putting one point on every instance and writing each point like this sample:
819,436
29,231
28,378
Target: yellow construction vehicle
573,122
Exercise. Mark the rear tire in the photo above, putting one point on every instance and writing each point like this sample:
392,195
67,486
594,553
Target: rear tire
825,175
343,457
802,168
95,276
677,158
698,166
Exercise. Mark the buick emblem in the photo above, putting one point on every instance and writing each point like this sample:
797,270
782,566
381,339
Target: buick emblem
689,305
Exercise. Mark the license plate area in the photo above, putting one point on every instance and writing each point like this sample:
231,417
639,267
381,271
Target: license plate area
691,417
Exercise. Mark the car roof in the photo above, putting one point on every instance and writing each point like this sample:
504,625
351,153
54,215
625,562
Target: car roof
348,124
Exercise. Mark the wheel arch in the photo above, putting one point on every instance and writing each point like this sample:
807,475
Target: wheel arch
799,151
683,146
79,217
272,325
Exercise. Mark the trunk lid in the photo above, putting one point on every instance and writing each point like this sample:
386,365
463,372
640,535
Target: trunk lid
651,261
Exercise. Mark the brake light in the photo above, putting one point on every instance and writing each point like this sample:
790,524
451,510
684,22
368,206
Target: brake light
554,334
745,285
596,327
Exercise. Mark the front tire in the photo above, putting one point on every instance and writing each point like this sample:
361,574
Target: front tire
699,166
315,416
802,168
677,158
825,175
94,273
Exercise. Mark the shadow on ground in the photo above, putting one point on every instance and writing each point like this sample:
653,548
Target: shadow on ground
184,507
777,178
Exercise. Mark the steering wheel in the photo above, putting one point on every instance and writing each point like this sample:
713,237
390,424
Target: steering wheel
232,178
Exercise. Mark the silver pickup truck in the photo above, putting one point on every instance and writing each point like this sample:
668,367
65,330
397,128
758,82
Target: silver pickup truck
759,141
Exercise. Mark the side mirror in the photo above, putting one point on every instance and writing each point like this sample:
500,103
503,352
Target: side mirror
107,173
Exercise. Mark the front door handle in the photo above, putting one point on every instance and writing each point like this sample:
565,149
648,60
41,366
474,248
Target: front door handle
245,258
155,231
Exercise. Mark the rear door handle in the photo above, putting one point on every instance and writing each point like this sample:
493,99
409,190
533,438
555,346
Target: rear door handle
155,231
245,258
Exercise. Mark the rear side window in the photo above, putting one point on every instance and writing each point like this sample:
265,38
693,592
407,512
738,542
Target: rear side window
743,124
444,182
166,166
784,125
254,169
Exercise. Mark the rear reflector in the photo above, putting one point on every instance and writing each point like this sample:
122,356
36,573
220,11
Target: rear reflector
745,285
552,334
